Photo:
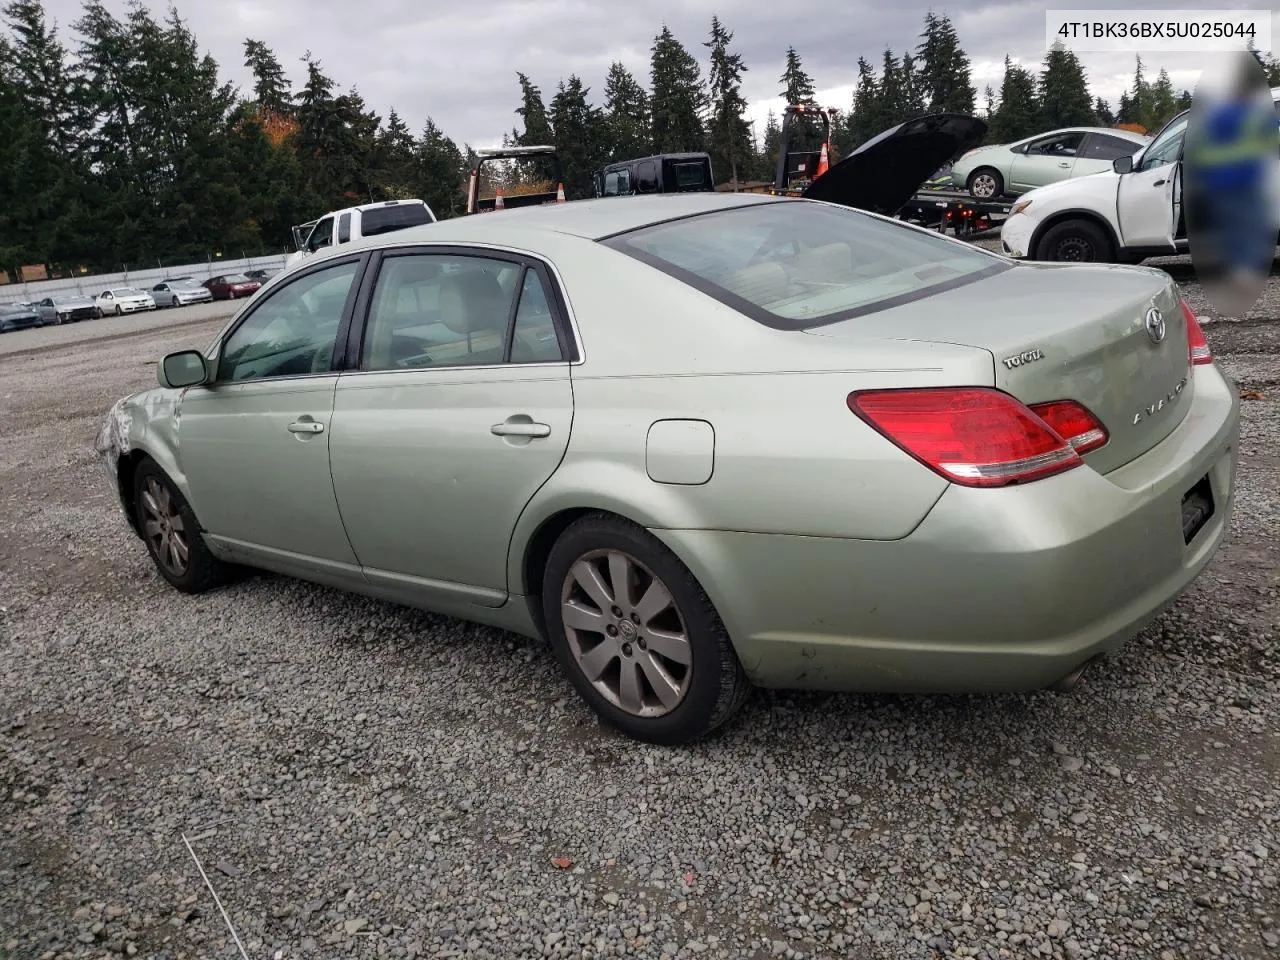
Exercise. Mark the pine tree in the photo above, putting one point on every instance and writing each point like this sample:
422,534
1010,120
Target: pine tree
1064,92
947,85
394,162
729,137
868,116
538,132
1103,110
677,99
1163,102
1140,98
770,144
272,90
1018,114
626,105
441,172
579,136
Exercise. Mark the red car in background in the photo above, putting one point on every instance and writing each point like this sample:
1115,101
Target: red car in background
231,286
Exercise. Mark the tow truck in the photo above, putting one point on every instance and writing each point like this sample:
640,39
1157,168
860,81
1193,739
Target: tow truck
477,204
884,175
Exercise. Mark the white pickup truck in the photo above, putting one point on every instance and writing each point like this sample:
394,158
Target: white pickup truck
1122,215
370,219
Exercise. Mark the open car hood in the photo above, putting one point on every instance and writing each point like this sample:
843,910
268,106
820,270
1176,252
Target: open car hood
884,173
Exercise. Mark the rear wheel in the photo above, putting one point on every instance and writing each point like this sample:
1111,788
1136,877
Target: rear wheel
637,635
985,184
172,533
1076,241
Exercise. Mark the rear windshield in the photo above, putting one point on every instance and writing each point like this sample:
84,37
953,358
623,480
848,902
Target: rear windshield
387,219
795,264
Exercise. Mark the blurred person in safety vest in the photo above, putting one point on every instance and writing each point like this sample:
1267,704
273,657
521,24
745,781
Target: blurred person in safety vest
1228,163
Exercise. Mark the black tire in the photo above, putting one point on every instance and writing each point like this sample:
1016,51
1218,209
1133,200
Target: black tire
1075,241
717,686
978,182
203,571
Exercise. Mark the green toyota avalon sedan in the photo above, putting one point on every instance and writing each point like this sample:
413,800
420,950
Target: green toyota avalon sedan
703,442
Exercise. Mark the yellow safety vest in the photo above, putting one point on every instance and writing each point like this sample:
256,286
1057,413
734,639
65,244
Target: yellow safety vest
1259,140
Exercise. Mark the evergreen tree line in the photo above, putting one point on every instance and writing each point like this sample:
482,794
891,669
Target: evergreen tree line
124,146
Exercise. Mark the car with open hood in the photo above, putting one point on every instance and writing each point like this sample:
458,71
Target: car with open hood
704,441
122,300
67,308
886,171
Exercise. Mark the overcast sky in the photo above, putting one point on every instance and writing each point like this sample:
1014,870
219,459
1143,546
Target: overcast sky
458,63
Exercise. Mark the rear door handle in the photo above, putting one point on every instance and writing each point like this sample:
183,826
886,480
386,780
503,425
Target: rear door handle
509,429
306,426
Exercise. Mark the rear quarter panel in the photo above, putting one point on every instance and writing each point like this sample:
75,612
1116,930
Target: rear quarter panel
789,456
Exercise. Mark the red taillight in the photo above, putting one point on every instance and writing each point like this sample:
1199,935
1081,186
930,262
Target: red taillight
1073,423
973,436
1197,346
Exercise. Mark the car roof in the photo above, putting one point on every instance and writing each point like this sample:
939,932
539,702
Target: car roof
588,219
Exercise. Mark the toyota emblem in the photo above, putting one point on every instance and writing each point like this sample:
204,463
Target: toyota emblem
1155,325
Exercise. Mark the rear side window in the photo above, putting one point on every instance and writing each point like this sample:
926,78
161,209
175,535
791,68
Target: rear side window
1100,146
386,219
344,228
689,175
647,177
795,264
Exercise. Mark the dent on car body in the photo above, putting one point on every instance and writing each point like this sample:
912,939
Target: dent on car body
123,428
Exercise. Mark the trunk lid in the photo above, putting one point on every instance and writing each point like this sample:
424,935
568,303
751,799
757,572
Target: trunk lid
1065,332
887,170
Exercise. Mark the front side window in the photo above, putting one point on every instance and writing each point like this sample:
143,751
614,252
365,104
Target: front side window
293,331
794,264
1063,145
1167,146
439,310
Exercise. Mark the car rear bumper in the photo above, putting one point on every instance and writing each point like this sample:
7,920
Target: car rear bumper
996,590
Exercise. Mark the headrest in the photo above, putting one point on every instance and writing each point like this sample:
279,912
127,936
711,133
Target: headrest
473,301
761,284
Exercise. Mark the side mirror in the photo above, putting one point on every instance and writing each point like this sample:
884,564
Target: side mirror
186,368
1122,164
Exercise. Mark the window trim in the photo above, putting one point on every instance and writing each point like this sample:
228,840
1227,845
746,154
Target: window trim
340,338
566,327
618,242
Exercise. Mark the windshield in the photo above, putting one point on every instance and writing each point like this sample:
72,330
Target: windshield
236,278
795,264
185,285
126,292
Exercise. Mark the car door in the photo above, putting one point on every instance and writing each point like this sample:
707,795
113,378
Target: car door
1099,151
458,410
1149,196
254,444
160,294
1046,160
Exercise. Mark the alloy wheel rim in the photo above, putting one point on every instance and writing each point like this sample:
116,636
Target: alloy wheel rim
626,633
164,528
984,186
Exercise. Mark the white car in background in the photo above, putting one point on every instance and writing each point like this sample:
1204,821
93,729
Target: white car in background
1126,214
121,300
180,293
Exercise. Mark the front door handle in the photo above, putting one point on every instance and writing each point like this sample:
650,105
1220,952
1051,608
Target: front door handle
1064,165
518,429
1159,183
306,426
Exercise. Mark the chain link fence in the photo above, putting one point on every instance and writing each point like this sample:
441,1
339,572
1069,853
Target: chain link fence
139,275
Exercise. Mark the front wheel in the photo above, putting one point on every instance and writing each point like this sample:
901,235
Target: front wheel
1075,241
637,635
172,533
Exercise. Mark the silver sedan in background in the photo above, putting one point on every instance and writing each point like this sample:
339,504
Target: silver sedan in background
180,293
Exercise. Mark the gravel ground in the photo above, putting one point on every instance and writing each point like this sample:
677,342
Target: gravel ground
361,780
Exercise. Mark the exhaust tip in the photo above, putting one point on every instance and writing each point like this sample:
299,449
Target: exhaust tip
1073,679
